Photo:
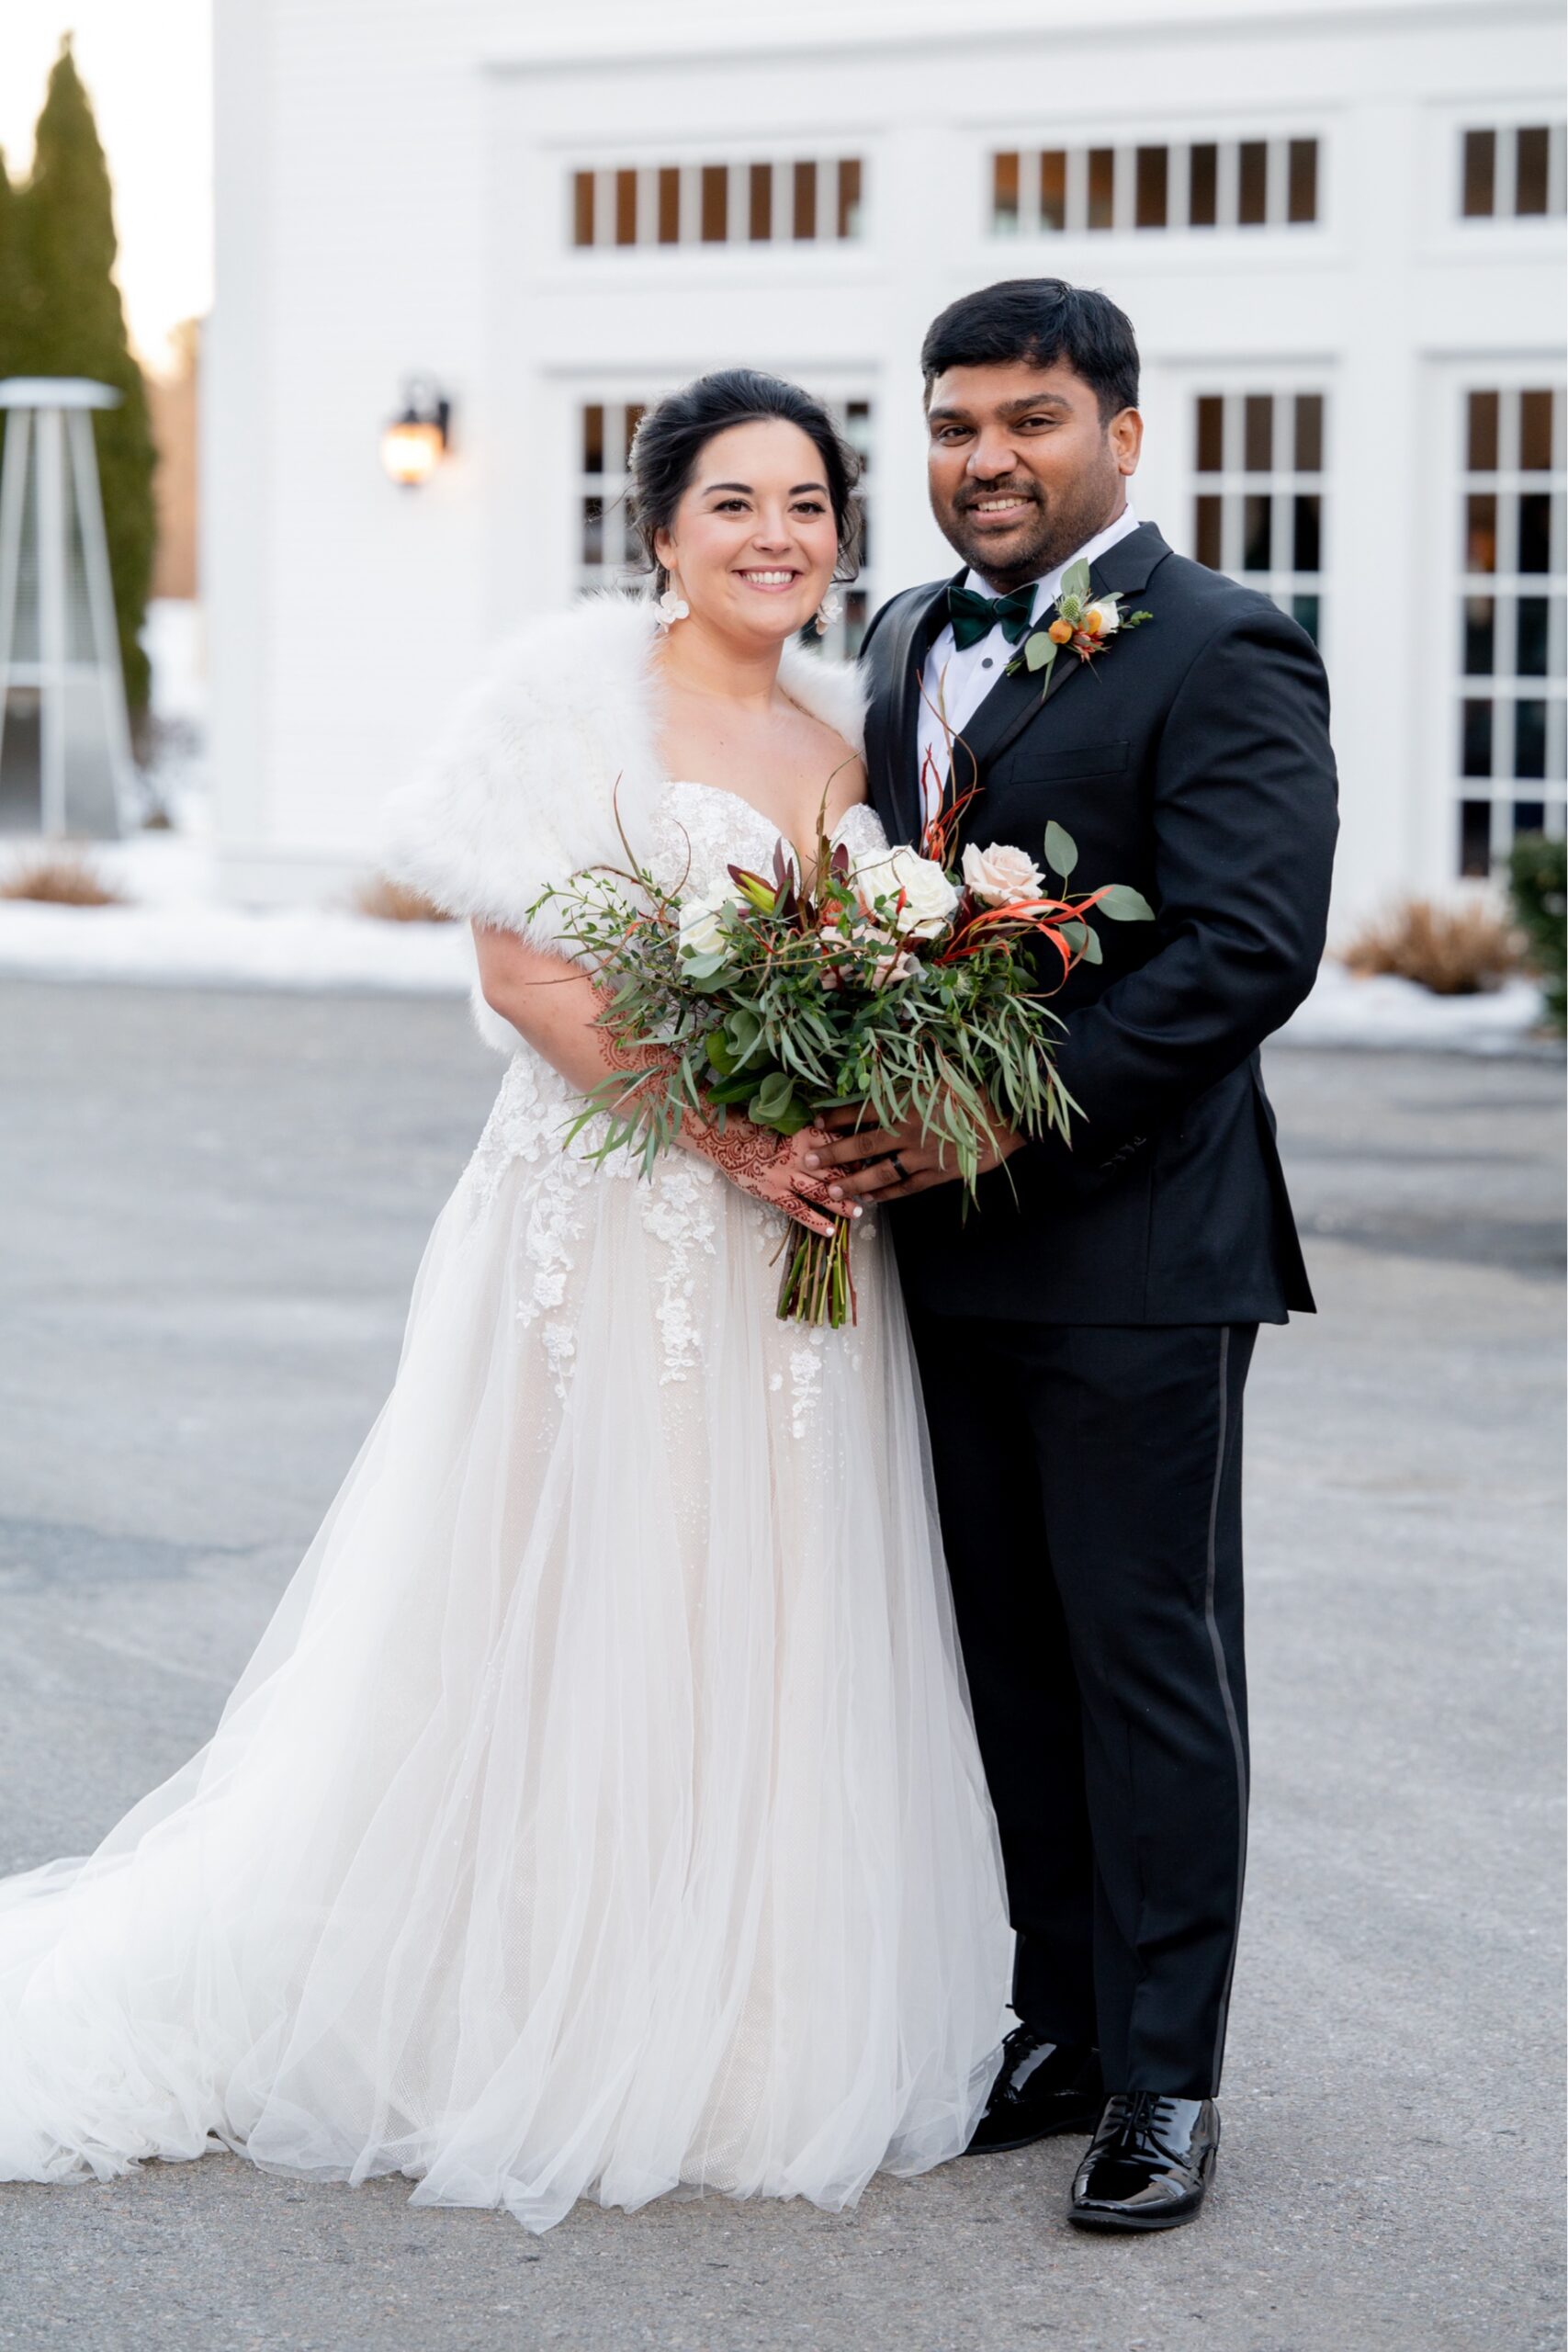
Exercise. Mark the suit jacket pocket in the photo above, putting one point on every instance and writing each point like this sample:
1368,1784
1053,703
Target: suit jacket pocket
1029,765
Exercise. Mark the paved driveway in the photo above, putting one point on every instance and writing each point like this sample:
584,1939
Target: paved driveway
213,1207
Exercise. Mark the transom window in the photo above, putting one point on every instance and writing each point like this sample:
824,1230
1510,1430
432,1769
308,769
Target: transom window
1514,173
1258,506
606,548
809,199
1204,183
1509,737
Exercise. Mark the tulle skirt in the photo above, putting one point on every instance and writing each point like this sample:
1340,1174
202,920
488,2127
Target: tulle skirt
601,1812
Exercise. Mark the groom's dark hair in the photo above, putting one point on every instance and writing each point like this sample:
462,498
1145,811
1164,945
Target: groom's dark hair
1039,322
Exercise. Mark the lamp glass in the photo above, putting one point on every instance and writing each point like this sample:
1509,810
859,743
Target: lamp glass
411,450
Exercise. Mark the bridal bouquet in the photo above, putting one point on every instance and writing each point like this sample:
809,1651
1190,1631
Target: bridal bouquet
900,984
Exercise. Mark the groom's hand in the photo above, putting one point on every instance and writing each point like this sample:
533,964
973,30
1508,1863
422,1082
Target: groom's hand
866,1163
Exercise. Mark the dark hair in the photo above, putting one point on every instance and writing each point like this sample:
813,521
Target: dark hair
1037,322
674,433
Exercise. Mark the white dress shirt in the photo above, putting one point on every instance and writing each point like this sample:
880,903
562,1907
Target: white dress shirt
956,682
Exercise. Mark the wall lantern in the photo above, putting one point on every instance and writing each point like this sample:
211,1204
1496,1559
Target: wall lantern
416,440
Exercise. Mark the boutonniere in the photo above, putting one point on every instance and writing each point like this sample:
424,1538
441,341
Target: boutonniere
1085,624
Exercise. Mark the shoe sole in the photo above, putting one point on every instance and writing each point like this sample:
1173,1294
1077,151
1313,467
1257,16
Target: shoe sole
1138,2223
1077,2128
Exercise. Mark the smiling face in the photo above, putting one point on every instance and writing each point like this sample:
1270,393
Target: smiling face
754,545
1024,468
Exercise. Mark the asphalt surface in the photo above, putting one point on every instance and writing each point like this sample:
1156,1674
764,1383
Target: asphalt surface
213,1206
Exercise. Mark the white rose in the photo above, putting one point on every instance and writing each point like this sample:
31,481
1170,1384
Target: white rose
1000,875
702,933
930,899
1107,610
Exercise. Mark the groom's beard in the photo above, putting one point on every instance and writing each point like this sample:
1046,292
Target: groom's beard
1060,525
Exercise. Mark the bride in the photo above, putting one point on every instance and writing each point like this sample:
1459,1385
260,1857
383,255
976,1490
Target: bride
600,1814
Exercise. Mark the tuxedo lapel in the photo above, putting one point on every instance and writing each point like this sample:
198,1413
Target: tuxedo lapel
1126,571
915,626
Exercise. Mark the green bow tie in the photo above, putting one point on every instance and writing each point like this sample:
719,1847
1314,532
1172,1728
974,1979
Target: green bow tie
973,617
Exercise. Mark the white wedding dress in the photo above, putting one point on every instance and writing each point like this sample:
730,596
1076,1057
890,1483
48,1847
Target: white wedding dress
600,1814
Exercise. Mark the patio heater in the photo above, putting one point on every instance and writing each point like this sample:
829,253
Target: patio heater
59,646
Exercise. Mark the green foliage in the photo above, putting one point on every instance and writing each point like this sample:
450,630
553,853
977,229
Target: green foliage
63,317
1537,886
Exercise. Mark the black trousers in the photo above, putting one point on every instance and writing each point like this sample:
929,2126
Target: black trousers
1090,1485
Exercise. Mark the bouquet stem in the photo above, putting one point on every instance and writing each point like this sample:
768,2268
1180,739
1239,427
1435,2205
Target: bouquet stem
817,1286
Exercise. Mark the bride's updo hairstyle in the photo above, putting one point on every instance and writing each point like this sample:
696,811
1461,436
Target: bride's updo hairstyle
675,431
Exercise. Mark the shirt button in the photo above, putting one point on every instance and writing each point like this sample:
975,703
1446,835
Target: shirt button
984,660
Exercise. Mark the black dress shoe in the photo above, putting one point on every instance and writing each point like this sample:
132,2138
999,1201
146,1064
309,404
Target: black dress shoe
1150,2164
1043,2088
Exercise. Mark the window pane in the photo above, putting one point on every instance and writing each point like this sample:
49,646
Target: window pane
1307,533
1202,188
1309,432
1305,611
1482,439
716,204
1535,531
1255,531
1054,188
1302,204
1480,174
849,196
1535,431
1480,637
1152,186
1529,170
1101,187
592,530
631,417
1481,532
1004,192
760,202
1252,194
857,431
669,205
1531,640
625,207
1475,839
1208,532
1258,433
1529,739
582,208
1476,739
805,200
1529,817
1211,433
593,440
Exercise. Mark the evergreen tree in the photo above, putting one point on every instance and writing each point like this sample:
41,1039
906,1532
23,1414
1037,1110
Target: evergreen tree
12,279
71,323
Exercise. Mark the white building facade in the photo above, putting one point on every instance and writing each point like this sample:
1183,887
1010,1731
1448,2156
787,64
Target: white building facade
1337,229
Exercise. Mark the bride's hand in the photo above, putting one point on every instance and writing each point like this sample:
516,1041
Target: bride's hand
772,1168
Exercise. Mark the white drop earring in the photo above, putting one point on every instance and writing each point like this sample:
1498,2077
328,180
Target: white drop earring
673,607
830,610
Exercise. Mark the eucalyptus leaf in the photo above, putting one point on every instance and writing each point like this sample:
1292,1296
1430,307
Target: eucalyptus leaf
1122,903
1075,579
1061,850
1094,952
1040,652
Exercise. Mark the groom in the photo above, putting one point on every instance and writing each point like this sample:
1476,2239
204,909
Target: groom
1084,1337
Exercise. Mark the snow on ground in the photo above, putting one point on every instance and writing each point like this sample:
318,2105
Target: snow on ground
176,932
1391,1014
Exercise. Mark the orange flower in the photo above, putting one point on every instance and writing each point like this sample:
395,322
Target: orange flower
1060,632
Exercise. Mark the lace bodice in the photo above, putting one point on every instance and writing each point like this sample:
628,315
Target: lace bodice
702,829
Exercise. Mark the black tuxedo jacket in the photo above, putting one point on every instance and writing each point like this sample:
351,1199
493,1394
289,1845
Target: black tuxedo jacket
1192,759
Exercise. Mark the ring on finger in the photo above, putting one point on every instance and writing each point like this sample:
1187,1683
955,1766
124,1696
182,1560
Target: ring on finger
900,1169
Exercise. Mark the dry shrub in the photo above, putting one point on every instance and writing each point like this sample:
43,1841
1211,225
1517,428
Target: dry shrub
391,901
1453,951
59,877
